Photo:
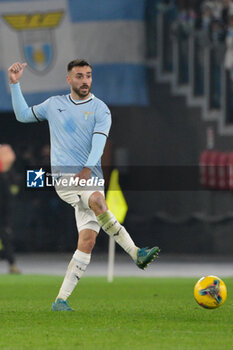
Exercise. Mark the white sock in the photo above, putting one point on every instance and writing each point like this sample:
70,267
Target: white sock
75,270
112,227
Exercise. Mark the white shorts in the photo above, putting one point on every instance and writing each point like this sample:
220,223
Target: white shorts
78,198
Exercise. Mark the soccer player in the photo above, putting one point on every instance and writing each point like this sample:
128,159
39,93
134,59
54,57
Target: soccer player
79,125
7,158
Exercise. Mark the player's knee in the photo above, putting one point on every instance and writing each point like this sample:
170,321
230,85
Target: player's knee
97,203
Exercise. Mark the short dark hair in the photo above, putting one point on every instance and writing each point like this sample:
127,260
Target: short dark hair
77,63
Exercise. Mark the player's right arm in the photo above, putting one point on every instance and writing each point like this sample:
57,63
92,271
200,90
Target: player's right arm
23,112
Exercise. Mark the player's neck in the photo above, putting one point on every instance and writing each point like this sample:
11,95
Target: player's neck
76,97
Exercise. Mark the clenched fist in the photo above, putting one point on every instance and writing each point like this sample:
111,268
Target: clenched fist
15,71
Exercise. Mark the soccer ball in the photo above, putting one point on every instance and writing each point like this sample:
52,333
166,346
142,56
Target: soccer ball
210,292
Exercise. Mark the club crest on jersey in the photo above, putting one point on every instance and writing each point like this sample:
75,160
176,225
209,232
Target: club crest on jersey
86,114
36,37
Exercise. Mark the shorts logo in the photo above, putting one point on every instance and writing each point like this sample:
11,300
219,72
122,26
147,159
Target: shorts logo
35,178
36,37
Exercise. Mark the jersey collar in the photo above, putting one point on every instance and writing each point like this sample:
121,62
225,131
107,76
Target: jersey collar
81,101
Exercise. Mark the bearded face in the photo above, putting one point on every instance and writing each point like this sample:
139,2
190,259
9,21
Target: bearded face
80,80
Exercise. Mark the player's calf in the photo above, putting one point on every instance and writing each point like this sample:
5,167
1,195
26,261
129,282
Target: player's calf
86,241
107,221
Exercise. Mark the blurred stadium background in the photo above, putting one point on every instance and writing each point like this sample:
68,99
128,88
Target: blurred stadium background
165,68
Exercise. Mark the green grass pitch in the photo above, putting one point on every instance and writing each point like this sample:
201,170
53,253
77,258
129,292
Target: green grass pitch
130,313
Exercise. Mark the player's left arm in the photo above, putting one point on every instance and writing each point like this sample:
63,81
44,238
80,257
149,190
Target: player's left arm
97,149
99,138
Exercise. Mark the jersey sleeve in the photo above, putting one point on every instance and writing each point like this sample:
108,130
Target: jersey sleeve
103,120
41,111
22,112
97,149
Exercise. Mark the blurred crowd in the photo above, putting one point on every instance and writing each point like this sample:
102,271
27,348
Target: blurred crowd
214,18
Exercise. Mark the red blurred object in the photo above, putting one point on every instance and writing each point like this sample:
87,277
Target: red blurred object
230,170
203,164
209,168
223,171
212,169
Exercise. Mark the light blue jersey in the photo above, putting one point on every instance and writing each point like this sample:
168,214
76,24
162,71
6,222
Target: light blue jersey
72,125
78,129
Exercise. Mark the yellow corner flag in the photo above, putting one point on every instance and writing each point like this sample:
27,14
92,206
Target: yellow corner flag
115,199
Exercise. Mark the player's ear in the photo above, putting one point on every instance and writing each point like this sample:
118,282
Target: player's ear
68,79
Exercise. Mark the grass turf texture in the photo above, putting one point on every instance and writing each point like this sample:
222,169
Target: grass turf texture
130,313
